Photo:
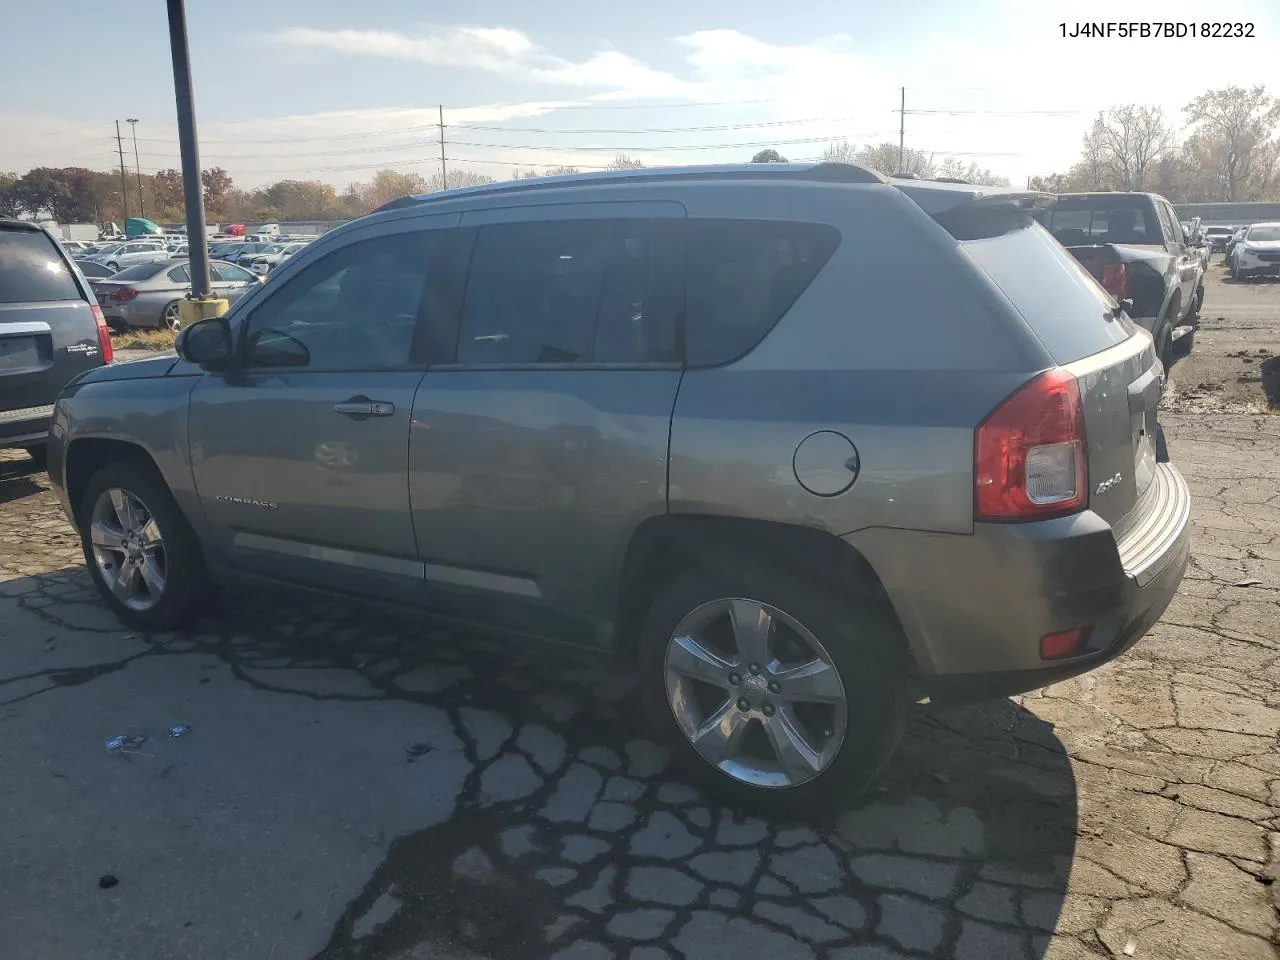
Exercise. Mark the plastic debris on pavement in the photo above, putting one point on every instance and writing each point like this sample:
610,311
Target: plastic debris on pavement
125,743
179,730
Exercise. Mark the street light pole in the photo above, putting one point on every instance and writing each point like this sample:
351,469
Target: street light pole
197,238
137,164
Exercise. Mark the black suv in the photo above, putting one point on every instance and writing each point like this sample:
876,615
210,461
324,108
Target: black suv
50,330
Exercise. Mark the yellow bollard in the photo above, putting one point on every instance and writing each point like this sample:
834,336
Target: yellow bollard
193,309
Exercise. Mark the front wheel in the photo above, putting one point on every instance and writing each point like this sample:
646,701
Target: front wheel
772,694
113,267
142,555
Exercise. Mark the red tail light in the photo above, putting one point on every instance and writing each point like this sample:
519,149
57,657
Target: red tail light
123,295
1115,279
1064,643
104,335
1029,456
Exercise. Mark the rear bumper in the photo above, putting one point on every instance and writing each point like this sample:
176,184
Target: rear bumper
25,427
975,607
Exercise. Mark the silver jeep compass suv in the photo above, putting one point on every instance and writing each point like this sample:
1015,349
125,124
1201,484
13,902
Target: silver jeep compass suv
797,443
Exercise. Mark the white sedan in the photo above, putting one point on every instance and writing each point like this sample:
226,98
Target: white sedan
122,255
270,258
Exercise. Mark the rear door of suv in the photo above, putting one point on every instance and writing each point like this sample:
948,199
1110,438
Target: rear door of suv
48,331
539,442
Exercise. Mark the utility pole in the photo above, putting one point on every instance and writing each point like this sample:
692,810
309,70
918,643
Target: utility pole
124,180
137,164
197,237
902,132
444,174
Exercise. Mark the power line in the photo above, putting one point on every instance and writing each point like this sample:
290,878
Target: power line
569,148
705,129
997,113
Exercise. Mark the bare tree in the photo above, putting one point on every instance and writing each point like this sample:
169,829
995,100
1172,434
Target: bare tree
1125,141
884,157
1232,131
970,172
624,162
840,152
457,178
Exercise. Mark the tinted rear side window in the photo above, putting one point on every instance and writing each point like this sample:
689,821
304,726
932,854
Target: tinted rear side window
569,291
32,269
1066,307
741,276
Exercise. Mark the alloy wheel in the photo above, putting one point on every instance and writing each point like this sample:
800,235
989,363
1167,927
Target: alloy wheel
755,693
171,319
128,548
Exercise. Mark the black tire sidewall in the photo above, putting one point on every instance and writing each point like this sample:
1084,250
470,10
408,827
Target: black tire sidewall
186,582
863,642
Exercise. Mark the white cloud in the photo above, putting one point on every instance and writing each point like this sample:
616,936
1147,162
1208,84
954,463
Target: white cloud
493,49
484,48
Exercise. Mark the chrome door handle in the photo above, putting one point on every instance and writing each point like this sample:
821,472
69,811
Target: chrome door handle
363,407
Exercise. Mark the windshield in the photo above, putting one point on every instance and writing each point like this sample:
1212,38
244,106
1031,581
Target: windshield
1218,231
273,248
1265,232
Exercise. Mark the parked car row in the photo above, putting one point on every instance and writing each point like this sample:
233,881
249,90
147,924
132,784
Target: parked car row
970,501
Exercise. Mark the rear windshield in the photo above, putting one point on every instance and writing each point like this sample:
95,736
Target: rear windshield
1060,301
32,270
1080,221
143,271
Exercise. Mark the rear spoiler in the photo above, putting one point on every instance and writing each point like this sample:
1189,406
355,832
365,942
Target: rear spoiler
939,197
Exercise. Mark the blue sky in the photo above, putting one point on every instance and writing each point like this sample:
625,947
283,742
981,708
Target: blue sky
334,90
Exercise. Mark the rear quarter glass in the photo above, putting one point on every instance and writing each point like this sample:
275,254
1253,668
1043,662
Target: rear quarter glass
32,270
1064,306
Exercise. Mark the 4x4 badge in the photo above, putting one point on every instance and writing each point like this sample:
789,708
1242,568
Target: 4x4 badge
1106,485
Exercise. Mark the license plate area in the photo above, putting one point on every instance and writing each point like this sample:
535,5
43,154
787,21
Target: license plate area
24,354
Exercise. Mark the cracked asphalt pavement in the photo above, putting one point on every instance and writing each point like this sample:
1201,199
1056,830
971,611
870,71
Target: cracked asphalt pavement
358,785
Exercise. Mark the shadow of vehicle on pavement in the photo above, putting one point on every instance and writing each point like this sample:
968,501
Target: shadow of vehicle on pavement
20,476
570,836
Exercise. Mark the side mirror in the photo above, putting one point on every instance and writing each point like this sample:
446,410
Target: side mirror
206,343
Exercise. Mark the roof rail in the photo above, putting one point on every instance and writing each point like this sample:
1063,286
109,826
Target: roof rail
802,172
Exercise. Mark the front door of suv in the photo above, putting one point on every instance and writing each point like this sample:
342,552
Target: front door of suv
300,453
533,456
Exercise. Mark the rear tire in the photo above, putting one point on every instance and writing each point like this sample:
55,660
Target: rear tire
162,539
853,736
113,267
169,318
